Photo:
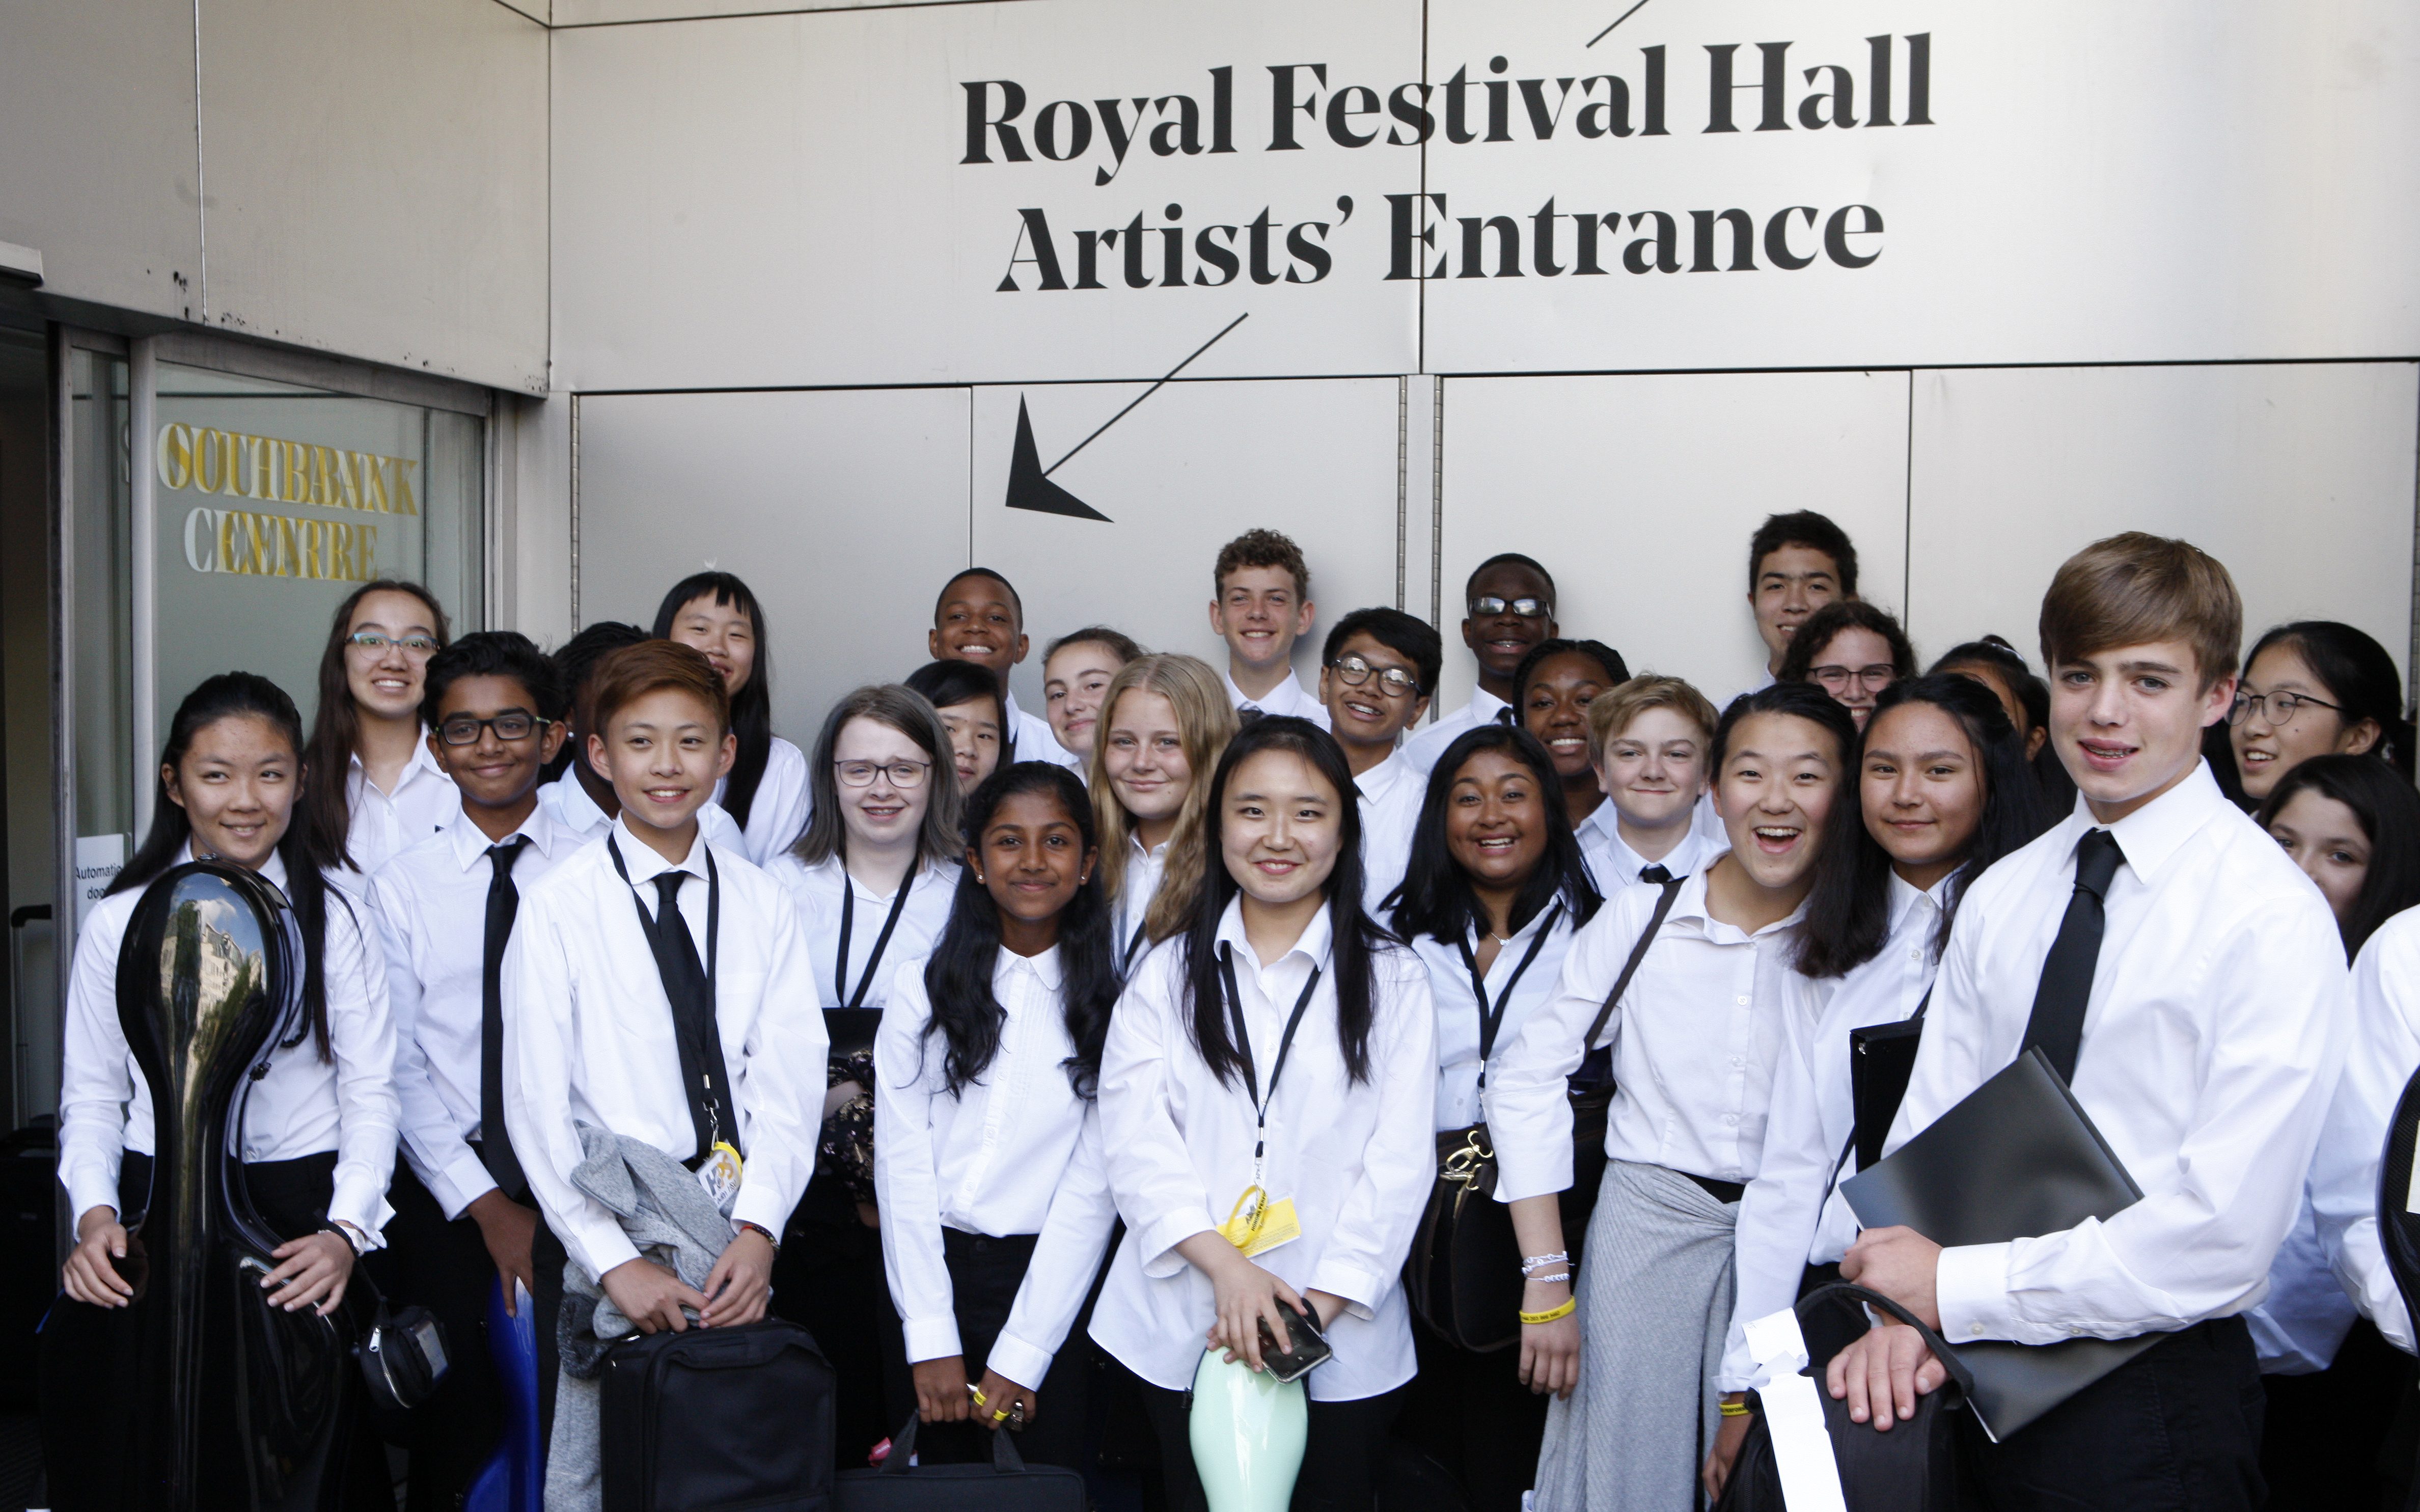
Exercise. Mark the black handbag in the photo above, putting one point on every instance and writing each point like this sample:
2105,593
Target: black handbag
1591,1091
737,1416
1008,1484
1910,1467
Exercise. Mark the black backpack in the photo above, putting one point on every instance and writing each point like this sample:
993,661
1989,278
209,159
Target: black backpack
718,1417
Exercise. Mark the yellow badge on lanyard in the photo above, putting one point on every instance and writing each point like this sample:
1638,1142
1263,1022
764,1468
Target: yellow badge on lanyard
719,1174
1258,1225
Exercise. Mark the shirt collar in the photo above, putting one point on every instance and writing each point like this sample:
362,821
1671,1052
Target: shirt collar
577,811
421,761
1483,706
1313,947
1555,910
2158,830
471,843
273,868
1285,697
1604,819
645,865
1045,968
1691,904
1139,852
1906,895
1383,779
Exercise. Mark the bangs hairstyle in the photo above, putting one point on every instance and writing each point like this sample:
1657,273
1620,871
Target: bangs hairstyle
751,709
1803,527
494,653
1205,722
1437,898
1803,699
2359,676
2136,588
1611,712
336,727
1409,637
249,695
1609,660
1354,938
1260,548
897,707
1848,910
1825,626
966,1015
948,684
576,661
1994,654
2388,809
1116,642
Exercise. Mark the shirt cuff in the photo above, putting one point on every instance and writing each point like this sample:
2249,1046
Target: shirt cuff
599,1247
1544,1176
463,1181
760,1205
1738,1370
1022,1362
1157,1241
931,1338
363,1204
1970,1289
90,1184
1354,1285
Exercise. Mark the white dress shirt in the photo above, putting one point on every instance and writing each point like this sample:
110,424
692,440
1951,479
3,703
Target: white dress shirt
1391,793
303,1106
2344,1177
1288,697
777,815
2218,1020
1551,930
1613,865
589,1038
1780,1231
424,800
581,821
1036,741
1696,1039
1144,868
1357,1158
1426,745
817,893
432,909
1017,1152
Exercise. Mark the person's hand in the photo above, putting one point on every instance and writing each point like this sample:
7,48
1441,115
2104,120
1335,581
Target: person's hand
941,1390
1246,1297
650,1296
1725,1454
1002,1394
1900,1263
509,1230
1550,1352
742,1282
312,1268
1882,1374
89,1277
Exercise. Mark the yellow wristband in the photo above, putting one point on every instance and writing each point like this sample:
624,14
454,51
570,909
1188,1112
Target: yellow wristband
1735,1409
1570,1305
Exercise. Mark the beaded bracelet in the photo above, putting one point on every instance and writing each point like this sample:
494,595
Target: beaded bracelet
1532,1262
1542,1281
1570,1305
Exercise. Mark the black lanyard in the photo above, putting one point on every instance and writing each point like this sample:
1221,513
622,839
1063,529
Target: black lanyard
710,1098
1133,943
882,941
1491,1019
1244,1046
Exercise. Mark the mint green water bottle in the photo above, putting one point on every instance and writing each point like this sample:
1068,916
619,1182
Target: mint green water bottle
1248,1431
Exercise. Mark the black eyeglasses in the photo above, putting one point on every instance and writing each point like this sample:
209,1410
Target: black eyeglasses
902,774
512,725
1394,681
2277,708
1490,606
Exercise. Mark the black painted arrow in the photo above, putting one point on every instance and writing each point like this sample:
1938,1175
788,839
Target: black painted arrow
1029,481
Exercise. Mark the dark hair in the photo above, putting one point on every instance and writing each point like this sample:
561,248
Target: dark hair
1355,938
2388,808
494,653
958,977
1260,548
956,578
336,727
1848,910
1616,671
898,708
1997,653
575,659
1409,637
948,684
751,707
1436,899
1803,527
1470,584
1803,699
1825,624
2359,676
1120,644
238,695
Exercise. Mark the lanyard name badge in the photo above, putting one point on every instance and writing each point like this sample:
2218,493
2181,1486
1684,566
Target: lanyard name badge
882,941
1491,1017
1256,1224
720,1166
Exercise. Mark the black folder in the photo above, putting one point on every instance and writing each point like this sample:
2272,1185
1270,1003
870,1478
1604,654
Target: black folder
2016,1160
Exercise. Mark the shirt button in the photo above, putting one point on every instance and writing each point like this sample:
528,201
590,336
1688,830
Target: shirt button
1730,1120
1738,1061
1742,1001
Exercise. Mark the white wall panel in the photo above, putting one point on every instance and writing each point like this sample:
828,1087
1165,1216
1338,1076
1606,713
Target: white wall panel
844,511
1639,494
1194,466
2298,478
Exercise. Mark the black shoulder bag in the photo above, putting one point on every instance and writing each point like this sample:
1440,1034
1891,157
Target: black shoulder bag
1591,1089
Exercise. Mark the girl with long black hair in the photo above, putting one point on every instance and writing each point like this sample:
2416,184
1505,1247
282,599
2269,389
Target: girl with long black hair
1496,889
987,1149
1267,1091
767,793
2316,687
318,1135
379,789
1939,790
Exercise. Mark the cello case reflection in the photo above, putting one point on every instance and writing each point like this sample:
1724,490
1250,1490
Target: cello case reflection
237,1401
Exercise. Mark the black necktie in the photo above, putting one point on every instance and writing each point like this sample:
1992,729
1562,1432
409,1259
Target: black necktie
504,902
1504,715
692,997
2058,1020
1655,873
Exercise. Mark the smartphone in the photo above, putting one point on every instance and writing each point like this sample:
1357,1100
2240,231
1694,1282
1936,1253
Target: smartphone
1311,1347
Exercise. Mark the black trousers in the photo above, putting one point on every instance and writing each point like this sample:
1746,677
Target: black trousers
546,1259
2177,1428
1339,1458
444,1267
1471,1413
2320,1446
828,1279
985,1273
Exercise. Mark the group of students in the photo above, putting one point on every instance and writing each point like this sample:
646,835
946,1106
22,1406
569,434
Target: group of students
1025,1053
